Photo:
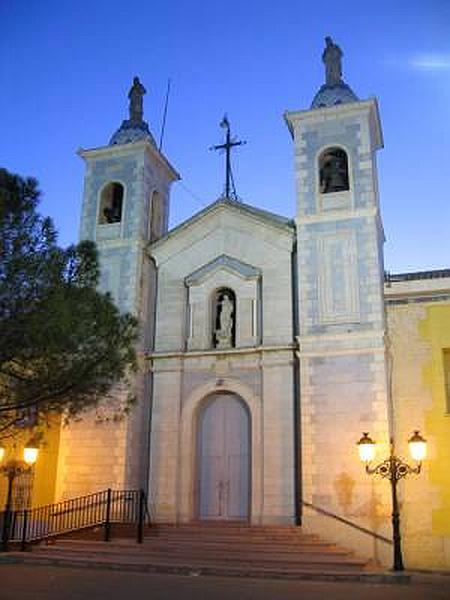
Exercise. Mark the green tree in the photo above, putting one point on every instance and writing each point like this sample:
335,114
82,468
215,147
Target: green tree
63,343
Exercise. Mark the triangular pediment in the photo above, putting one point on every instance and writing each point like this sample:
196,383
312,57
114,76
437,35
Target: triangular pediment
239,208
224,263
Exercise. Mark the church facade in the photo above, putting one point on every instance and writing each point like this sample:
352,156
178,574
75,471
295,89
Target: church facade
268,345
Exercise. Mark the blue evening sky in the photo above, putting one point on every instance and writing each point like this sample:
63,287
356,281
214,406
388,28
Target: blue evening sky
66,68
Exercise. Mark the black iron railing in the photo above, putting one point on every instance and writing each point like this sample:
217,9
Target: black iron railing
359,528
103,508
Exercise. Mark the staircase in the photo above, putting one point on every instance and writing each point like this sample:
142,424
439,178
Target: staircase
214,548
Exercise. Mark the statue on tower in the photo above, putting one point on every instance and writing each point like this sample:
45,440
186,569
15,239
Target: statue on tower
136,95
334,91
332,57
135,128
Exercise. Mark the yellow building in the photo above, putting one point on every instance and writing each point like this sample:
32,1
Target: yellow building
419,333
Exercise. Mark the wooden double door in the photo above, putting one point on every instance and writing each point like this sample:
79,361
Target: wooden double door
223,465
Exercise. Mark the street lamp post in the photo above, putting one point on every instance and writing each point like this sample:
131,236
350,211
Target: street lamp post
12,469
393,468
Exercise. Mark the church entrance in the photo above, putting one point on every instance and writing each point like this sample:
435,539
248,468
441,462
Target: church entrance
223,459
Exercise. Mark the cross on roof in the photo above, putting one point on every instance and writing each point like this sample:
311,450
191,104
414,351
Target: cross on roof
227,146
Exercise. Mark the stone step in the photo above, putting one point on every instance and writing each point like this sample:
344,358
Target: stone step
197,562
299,543
217,526
234,540
217,570
234,537
235,547
212,548
230,533
197,554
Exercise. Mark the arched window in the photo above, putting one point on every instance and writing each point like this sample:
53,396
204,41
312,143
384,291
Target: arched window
111,204
224,319
333,171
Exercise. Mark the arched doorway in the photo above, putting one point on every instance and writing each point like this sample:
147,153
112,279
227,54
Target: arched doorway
223,459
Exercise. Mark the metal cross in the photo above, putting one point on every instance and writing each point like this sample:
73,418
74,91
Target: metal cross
227,145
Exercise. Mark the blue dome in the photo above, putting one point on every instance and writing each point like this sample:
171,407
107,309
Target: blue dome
130,132
332,95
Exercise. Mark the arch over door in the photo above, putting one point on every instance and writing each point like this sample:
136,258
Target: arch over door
224,459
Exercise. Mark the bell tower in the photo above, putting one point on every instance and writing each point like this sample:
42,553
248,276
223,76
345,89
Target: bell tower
340,275
125,206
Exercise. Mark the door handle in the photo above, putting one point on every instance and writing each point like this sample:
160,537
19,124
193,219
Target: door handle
220,486
226,490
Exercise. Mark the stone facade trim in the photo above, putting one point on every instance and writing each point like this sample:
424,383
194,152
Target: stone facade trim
221,353
318,115
223,261
417,289
340,215
119,150
340,352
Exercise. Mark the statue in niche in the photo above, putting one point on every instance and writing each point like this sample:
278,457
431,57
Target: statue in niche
136,95
333,171
332,57
225,318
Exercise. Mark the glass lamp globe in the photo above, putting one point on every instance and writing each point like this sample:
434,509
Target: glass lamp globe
30,455
417,446
2,453
366,448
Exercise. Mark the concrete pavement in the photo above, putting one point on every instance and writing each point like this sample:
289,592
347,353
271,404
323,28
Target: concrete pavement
29,582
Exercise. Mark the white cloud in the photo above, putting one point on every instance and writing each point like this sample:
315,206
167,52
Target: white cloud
431,62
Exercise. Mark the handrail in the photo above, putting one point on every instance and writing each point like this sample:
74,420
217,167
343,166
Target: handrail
81,498
360,528
98,509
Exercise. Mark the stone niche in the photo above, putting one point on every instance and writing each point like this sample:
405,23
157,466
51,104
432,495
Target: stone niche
244,281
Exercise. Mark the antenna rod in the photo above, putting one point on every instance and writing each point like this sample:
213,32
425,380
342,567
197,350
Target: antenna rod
166,104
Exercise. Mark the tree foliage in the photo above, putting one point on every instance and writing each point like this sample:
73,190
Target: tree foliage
63,343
